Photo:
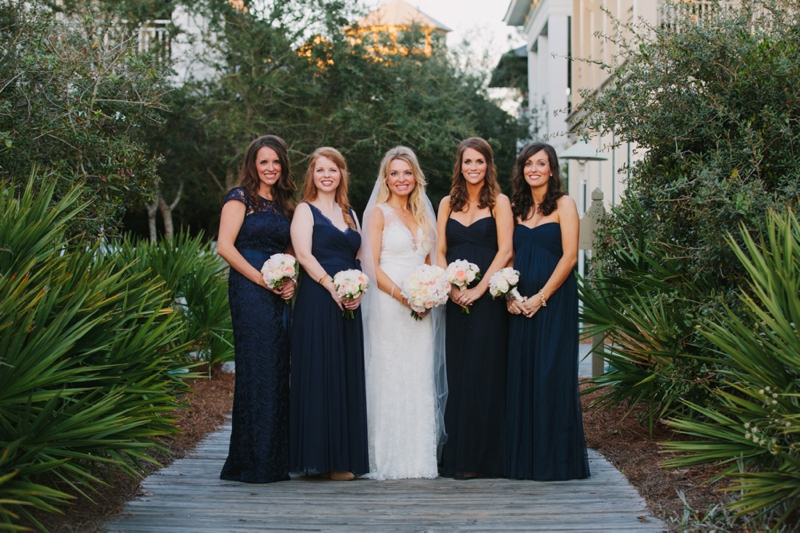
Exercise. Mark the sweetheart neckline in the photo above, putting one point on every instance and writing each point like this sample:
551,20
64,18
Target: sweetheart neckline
470,225
538,226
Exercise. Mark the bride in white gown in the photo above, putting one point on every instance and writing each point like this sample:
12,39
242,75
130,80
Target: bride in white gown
405,375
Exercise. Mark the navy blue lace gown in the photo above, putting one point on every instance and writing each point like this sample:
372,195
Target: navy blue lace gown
476,348
328,394
544,428
259,448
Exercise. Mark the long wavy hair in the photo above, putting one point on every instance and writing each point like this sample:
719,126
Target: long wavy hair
416,204
522,196
458,190
284,188
310,189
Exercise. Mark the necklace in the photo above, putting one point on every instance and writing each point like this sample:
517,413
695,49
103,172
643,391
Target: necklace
404,213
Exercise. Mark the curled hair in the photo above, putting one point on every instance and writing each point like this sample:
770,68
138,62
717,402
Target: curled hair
458,189
310,189
284,188
522,196
415,202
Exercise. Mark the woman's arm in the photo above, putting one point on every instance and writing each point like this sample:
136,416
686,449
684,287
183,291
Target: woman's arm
231,220
383,281
441,230
302,234
570,229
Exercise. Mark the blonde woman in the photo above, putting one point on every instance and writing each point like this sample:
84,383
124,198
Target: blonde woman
328,418
404,402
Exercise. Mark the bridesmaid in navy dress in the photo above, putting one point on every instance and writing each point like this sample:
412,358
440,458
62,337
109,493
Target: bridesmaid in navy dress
253,226
478,226
544,428
328,395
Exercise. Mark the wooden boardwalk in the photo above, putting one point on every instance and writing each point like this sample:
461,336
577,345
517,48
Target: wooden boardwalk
188,496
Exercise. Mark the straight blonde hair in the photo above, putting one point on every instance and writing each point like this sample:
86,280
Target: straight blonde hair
415,202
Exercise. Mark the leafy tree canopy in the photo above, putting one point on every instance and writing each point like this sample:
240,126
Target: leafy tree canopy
73,98
291,68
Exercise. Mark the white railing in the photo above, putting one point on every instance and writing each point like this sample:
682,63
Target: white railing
673,14
154,35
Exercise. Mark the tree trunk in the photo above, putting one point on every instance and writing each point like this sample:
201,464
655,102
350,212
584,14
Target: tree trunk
166,212
230,177
152,209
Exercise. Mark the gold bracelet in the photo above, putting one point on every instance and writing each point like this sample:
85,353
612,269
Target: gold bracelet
544,300
393,287
322,279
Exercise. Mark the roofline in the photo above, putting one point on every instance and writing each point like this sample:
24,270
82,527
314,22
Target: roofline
517,12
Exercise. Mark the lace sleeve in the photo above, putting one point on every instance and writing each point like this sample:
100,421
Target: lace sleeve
238,194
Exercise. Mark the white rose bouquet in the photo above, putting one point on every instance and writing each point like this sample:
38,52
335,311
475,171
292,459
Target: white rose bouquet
426,287
350,284
504,283
278,268
461,273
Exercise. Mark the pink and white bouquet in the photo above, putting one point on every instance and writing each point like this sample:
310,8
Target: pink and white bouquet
426,287
504,283
350,284
461,273
278,268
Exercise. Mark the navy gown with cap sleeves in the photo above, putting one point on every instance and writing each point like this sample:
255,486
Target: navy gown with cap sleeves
259,447
544,428
328,394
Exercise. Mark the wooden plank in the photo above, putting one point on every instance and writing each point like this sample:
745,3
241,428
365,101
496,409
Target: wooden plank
189,496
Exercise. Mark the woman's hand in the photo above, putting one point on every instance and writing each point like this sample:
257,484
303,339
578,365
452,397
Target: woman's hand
287,288
469,296
456,295
531,305
514,306
335,295
353,304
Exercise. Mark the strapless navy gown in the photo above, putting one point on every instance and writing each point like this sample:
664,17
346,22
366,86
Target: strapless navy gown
259,447
476,347
544,428
328,395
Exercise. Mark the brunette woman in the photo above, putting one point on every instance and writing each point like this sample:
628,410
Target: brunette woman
544,429
477,225
254,225
328,398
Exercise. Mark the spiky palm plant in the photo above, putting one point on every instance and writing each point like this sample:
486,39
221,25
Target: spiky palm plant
87,351
755,426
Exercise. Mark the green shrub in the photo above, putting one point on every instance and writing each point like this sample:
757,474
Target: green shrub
89,354
754,426
74,101
196,278
715,108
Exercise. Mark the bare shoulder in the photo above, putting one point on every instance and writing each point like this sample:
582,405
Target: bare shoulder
503,201
302,212
445,203
375,217
567,203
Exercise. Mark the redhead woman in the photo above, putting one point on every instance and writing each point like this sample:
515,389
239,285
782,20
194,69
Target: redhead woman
477,225
544,428
328,399
253,226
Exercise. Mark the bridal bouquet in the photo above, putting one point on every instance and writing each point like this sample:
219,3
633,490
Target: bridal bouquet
425,288
350,284
461,273
278,268
504,283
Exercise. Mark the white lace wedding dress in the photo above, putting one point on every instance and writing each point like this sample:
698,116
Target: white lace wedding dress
401,397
